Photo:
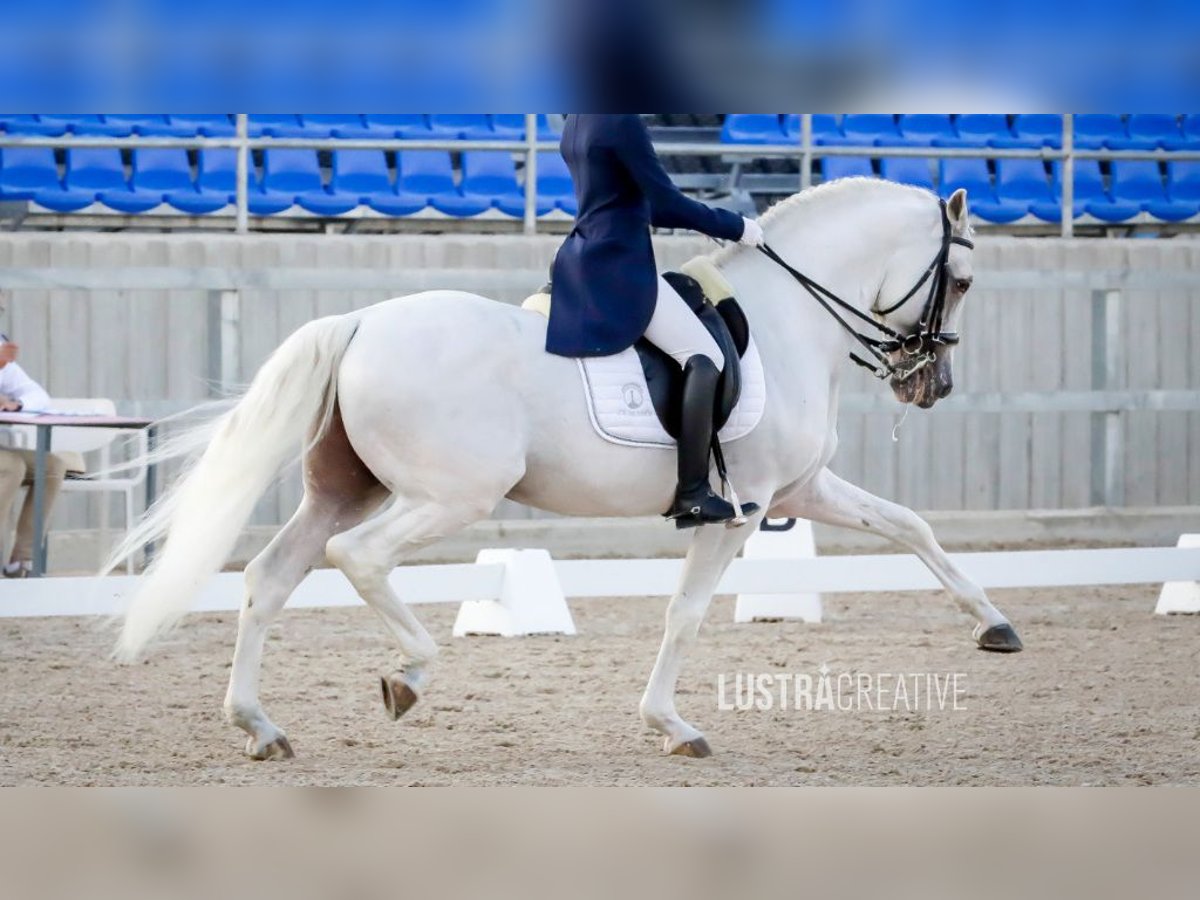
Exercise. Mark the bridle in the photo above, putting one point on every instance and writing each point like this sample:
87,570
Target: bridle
919,347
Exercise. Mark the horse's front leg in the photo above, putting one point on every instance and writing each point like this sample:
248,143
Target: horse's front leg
831,500
712,549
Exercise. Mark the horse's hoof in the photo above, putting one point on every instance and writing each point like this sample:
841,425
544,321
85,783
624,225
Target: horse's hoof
398,697
279,748
1000,639
696,748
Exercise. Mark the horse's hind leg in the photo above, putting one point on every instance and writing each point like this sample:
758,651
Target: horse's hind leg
339,491
368,553
270,579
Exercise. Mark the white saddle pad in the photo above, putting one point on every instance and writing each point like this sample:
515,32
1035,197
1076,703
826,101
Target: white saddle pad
621,411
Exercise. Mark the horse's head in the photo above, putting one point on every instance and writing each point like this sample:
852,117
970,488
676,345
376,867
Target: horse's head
929,318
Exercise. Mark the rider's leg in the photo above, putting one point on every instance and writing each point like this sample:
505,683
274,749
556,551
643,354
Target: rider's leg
677,331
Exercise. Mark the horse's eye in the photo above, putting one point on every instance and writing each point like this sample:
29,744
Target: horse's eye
962,285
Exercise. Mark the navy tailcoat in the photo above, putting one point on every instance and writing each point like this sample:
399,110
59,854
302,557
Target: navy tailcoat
604,277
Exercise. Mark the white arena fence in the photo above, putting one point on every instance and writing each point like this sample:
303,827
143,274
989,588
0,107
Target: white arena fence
520,592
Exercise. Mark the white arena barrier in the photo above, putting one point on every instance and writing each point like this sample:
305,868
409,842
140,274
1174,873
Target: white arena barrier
1181,596
530,599
795,541
529,588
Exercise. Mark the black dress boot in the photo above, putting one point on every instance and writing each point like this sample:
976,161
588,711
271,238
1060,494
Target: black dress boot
695,503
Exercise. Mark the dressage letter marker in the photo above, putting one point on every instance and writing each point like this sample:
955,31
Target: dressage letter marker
792,542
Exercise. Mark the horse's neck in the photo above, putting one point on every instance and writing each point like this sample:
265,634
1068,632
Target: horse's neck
835,250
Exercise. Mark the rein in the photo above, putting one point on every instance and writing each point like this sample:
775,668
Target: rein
920,346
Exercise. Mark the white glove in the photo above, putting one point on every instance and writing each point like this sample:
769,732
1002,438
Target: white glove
752,233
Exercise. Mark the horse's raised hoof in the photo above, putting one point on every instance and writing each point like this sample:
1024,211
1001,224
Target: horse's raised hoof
1000,639
279,749
398,697
696,748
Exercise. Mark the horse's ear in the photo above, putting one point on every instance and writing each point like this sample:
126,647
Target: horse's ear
956,209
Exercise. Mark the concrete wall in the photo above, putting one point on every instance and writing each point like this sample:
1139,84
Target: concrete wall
84,310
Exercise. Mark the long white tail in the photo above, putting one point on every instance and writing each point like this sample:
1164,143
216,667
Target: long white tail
291,400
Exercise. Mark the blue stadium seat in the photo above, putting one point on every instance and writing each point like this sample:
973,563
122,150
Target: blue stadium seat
88,125
1093,131
916,171
834,167
1034,131
825,129
871,129
26,170
511,127
491,177
156,171
358,175
207,125
287,173
1023,181
149,125
458,125
972,174
752,128
429,175
1191,134
925,129
978,130
1139,182
31,125
216,184
554,183
1183,184
361,176
273,125
90,170
1150,131
341,125
400,125
1089,189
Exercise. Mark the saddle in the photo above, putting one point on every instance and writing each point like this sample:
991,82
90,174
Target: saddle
709,295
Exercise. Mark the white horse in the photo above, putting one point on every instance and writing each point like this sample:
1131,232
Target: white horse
446,402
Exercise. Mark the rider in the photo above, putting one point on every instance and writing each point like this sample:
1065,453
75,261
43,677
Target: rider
607,293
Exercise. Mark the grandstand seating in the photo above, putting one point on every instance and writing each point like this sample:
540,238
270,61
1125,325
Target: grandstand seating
26,170
846,167
150,125
925,129
473,182
871,129
756,128
206,125
982,199
977,130
216,182
554,183
912,170
826,130
90,170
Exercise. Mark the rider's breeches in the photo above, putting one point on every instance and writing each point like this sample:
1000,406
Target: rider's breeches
678,332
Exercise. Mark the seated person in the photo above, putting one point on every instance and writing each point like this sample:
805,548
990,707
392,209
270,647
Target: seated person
19,392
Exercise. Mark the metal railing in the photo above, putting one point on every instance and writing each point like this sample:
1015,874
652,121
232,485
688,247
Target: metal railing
805,150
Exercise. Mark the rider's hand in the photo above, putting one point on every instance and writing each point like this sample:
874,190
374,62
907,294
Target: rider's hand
752,233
